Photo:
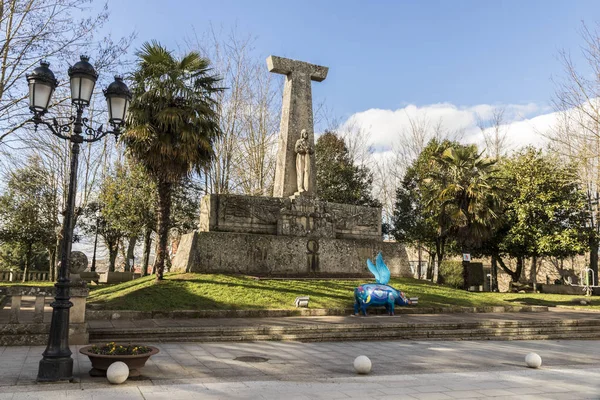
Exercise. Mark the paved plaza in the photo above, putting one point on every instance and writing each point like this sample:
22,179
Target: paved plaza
401,370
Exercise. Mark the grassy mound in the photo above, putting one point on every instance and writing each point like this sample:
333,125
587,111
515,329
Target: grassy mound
226,292
235,292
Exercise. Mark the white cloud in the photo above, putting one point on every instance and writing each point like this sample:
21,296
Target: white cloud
524,124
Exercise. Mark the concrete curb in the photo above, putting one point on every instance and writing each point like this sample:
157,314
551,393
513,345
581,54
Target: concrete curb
300,312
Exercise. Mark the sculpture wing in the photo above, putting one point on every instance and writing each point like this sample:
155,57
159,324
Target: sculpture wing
373,269
383,272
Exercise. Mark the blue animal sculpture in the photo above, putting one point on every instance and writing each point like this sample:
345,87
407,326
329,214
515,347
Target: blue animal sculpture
380,293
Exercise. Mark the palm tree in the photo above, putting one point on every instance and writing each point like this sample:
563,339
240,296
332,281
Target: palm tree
464,187
172,124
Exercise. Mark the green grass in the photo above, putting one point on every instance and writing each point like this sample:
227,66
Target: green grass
28,283
226,292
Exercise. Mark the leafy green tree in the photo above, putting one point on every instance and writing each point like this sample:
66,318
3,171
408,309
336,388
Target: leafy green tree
172,124
338,179
127,210
27,218
463,186
95,220
418,217
544,211
185,212
411,223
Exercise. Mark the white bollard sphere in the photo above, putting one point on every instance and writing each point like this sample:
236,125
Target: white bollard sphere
533,360
117,373
362,364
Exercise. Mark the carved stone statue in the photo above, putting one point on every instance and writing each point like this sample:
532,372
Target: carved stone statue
304,150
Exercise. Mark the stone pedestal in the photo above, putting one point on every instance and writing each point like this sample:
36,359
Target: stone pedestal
271,255
292,236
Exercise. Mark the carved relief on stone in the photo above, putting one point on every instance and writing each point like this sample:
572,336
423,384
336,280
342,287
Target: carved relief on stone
351,220
304,215
312,255
260,210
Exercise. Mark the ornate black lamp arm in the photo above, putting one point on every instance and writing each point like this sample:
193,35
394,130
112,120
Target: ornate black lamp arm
53,125
77,125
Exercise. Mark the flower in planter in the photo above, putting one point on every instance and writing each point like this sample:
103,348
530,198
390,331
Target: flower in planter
112,348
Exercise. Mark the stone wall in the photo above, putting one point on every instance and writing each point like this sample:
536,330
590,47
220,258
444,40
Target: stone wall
264,255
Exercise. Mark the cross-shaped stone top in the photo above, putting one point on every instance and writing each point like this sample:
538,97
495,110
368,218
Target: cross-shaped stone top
295,171
287,66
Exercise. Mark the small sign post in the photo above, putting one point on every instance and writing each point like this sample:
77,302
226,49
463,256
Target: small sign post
466,257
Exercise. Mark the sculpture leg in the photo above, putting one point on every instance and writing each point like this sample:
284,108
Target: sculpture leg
300,172
391,307
307,172
364,308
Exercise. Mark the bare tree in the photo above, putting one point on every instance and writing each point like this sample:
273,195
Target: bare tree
389,167
576,134
256,151
249,115
34,30
495,133
357,141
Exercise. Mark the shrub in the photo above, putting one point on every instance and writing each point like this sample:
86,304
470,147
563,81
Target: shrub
452,273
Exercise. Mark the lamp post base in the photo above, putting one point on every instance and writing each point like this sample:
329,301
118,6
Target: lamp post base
55,369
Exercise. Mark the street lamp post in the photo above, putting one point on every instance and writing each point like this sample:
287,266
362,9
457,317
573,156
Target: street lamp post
57,364
93,268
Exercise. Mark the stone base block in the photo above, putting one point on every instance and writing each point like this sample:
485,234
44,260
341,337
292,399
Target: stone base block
115,277
264,255
89,276
566,289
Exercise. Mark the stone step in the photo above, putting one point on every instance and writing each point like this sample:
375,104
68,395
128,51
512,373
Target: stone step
261,329
332,338
501,330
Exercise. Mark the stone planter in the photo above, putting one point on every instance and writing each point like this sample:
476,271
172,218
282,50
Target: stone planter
101,362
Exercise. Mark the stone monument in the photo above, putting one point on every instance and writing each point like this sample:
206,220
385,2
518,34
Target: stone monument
293,232
296,119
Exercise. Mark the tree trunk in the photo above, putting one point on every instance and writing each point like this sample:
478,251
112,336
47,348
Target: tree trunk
439,248
147,244
113,252
130,255
27,262
519,270
533,273
51,261
494,273
121,249
429,276
594,257
164,214
419,259
514,275
57,251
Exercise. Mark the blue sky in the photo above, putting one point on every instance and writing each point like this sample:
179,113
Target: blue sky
386,54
